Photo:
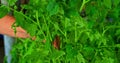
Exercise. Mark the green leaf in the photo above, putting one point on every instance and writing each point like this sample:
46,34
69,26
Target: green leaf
116,2
20,19
53,8
72,12
56,26
107,3
31,28
90,24
30,50
3,11
88,51
73,3
108,53
12,2
25,23
69,52
117,45
47,44
57,54
107,60
80,58
117,32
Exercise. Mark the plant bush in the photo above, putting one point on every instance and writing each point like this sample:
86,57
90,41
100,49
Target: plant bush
67,31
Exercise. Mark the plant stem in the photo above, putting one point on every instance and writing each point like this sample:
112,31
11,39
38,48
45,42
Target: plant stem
38,23
75,32
83,3
48,32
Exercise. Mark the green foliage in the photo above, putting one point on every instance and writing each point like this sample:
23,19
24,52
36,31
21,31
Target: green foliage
3,11
11,2
89,31
52,8
107,3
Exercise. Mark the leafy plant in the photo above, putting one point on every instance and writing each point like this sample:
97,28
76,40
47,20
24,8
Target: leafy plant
88,31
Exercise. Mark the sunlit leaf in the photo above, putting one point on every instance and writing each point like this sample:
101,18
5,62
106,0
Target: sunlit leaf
80,58
116,2
107,3
53,8
3,11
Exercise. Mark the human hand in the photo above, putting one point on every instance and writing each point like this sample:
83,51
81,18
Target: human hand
6,28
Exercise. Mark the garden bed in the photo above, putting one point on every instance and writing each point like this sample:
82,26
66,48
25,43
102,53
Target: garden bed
67,31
